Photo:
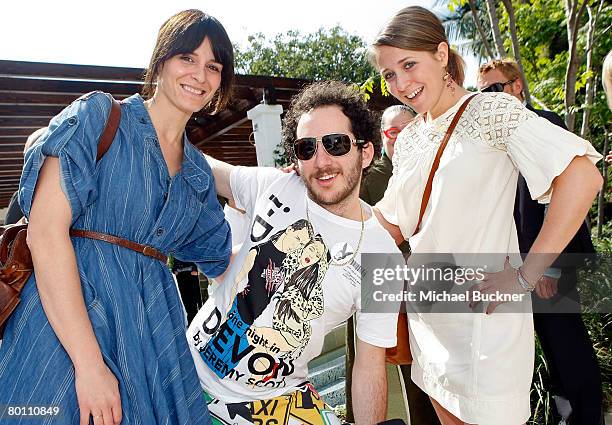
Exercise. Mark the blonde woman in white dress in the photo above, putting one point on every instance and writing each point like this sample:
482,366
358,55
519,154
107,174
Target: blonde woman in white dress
476,367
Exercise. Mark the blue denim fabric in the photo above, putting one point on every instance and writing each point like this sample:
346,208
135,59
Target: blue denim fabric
132,300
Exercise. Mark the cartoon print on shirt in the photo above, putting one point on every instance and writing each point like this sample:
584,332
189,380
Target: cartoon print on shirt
262,273
300,301
261,353
292,260
267,270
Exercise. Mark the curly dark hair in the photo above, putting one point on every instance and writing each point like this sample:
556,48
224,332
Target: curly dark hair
364,124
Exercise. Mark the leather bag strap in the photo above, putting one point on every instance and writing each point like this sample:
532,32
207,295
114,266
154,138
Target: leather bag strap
110,129
436,161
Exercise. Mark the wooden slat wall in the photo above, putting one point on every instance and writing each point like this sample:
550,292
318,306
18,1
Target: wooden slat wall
31,93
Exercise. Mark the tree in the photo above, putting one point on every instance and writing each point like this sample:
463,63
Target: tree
322,55
467,27
515,47
481,31
590,86
573,11
552,59
497,37
458,31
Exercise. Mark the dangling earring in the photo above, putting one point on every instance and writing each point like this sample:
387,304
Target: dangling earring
449,81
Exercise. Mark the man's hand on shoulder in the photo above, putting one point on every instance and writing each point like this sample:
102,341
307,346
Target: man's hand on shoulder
291,168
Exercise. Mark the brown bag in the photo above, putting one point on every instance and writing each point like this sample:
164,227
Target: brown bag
400,354
15,259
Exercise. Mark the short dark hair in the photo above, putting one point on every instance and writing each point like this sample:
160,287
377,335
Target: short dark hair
183,33
364,124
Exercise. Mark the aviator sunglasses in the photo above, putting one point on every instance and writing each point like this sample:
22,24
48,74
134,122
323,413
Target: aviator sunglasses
334,144
497,87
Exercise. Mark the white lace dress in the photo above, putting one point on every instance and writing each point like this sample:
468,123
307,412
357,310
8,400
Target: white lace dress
479,367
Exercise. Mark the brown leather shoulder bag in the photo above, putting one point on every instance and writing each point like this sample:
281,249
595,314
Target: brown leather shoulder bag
15,259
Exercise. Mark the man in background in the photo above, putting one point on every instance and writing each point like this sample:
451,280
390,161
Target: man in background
392,122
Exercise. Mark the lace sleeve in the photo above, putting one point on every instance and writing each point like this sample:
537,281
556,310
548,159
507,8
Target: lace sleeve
494,117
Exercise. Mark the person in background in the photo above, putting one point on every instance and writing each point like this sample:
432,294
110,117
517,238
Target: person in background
392,122
100,332
476,366
564,339
13,212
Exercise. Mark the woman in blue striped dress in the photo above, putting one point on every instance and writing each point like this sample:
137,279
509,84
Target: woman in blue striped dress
100,332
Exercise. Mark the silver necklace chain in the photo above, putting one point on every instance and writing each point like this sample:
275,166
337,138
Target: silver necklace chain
350,260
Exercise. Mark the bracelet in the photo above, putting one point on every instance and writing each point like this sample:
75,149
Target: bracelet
528,287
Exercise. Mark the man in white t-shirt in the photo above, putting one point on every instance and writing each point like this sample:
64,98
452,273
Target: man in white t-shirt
298,274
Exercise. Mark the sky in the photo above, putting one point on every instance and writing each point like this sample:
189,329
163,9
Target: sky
122,33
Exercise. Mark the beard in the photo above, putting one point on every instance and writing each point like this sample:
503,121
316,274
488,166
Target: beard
339,194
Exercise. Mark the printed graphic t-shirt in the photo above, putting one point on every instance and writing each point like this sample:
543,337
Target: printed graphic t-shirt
283,292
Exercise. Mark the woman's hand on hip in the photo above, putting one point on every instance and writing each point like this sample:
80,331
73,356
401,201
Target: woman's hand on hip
497,286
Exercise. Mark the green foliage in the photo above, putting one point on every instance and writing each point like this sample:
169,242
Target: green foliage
541,399
542,36
371,85
367,87
599,327
462,30
327,54
281,159
384,89
603,244
455,5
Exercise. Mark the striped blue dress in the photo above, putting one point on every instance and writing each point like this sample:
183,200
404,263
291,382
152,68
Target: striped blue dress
132,300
